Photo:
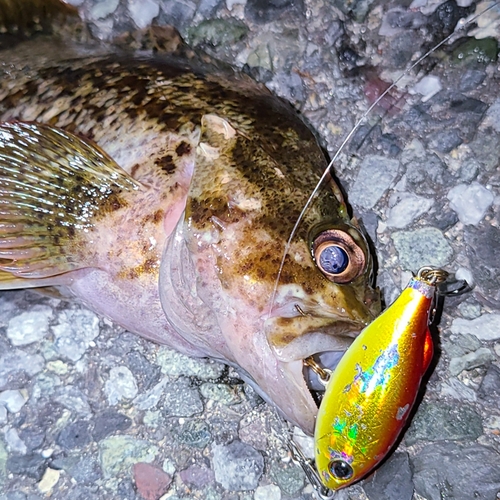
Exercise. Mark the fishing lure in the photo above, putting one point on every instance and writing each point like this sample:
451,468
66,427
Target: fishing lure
370,394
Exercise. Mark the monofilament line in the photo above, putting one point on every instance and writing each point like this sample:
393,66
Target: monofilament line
348,138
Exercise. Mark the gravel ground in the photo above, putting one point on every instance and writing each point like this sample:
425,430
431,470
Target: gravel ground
88,411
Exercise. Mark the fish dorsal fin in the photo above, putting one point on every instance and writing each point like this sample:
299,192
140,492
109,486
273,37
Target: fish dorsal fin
54,187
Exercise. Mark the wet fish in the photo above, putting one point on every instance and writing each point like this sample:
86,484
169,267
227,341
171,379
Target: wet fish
161,196
371,392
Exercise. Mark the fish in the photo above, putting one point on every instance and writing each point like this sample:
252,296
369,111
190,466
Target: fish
161,194
370,394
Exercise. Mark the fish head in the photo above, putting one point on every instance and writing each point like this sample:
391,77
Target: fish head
254,310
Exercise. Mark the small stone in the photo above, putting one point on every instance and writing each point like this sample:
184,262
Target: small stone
428,86
31,465
118,453
493,115
471,79
175,364
197,476
146,374
33,437
456,471
484,328
49,480
376,175
3,463
446,140
121,385
469,309
30,326
471,360
436,422
73,399
182,399
217,32
489,389
103,9
74,332
75,435
151,481
393,480
223,393
3,414
454,389
471,202
237,466
151,398
268,492
195,433
408,208
143,12
109,422
13,400
265,11
288,476
177,13
86,470
423,247
14,442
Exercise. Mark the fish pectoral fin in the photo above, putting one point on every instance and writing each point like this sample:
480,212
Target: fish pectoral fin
54,187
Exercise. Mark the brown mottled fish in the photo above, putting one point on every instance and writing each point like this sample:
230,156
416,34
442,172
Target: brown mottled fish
162,196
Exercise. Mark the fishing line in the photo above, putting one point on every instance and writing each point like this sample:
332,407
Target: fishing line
361,120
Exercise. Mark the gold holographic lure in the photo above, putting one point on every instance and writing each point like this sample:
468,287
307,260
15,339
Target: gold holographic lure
370,394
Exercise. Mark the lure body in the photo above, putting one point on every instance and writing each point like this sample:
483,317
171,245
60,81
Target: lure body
370,394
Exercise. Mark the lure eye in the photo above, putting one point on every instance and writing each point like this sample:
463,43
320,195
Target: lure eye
340,469
338,256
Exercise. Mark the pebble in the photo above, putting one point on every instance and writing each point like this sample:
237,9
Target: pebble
448,470
193,433
73,399
49,480
14,442
175,364
3,463
427,87
74,332
182,399
471,360
264,11
151,481
287,476
143,12
423,247
30,326
493,115
118,453
177,13
485,327
151,398
408,208
439,421
237,466
392,480
13,400
101,10
3,414
197,476
268,492
490,385
376,175
120,385
456,390
471,202
222,393
31,465
75,435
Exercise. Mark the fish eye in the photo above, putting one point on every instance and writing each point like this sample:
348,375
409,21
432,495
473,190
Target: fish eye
340,469
338,256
